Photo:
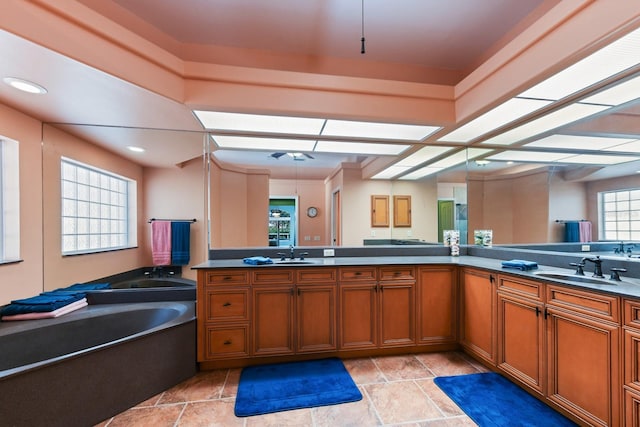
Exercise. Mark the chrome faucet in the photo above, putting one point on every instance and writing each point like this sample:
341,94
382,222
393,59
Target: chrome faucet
291,253
597,262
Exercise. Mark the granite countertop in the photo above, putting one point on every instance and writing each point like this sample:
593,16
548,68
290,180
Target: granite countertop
629,287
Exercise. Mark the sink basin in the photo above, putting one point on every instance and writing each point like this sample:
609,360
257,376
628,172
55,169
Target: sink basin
575,278
293,262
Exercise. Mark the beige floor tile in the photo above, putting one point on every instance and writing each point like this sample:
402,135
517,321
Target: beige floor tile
352,414
213,413
153,401
449,363
230,388
295,418
204,385
447,406
401,402
402,367
461,421
156,416
364,371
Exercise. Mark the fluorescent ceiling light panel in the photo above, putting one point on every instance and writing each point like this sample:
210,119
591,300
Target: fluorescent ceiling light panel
360,148
423,155
249,143
528,156
390,172
501,115
630,147
421,173
345,128
578,142
459,157
558,118
608,61
594,159
618,94
259,123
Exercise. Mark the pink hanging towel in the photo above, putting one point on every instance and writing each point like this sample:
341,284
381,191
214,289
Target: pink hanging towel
161,242
585,231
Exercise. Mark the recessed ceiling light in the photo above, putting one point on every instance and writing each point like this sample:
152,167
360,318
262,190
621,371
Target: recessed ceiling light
482,162
135,149
24,85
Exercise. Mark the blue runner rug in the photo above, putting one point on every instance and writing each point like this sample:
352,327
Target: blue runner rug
283,386
489,399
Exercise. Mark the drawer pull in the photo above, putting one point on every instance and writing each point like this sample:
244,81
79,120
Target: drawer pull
226,304
226,278
227,342
358,273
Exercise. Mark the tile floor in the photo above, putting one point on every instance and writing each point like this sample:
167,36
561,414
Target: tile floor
396,390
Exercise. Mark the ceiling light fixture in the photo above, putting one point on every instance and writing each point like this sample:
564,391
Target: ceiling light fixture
25,85
362,49
135,149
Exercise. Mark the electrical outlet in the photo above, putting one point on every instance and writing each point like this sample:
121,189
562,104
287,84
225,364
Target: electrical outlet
408,233
329,252
586,248
307,238
373,233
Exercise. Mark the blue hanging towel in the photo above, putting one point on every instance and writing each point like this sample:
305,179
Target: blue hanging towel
180,233
571,231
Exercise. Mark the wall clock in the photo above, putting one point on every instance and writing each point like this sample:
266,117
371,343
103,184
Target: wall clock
312,212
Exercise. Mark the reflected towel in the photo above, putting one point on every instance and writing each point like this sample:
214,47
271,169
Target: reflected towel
80,287
520,264
257,260
585,231
50,314
45,302
161,242
180,232
571,231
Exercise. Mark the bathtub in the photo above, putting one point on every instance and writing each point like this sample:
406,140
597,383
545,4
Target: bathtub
145,289
89,365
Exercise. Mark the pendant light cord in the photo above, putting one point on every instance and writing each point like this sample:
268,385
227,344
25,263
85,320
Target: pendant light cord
362,50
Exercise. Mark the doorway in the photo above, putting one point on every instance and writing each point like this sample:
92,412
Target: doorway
446,217
336,238
283,224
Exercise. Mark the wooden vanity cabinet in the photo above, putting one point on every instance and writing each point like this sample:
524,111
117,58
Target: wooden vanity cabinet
223,314
358,318
437,302
478,313
631,377
316,310
522,331
583,354
397,306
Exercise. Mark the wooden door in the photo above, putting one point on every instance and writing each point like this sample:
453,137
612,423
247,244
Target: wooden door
273,320
478,324
521,335
358,316
436,305
583,366
397,311
336,224
316,318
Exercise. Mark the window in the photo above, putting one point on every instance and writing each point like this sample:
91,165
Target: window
98,210
9,201
619,214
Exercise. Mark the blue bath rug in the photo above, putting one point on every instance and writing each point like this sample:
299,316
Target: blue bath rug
489,399
284,386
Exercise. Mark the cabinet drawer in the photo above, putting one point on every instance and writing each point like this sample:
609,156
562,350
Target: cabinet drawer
357,274
273,276
227,277
228,305
227,341
533,290
632,313
316,275
397,273
591,303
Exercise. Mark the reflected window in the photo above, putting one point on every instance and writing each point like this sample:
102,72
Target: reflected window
619,213
98,209
9,201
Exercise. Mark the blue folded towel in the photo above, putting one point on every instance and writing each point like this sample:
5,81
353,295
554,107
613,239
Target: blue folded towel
520,264
43,303
84,287
257,260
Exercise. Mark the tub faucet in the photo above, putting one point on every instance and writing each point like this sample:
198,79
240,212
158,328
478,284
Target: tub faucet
597,262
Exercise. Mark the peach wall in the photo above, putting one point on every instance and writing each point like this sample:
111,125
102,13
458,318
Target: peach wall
567,201
25,279
62,271
177,193
311,231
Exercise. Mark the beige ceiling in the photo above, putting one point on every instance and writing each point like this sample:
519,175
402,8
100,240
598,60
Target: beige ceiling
417,41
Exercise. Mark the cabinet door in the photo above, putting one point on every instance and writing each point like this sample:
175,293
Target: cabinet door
436,307
273,320
358,316
583,367
397,308
478,325
521,334
316,324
